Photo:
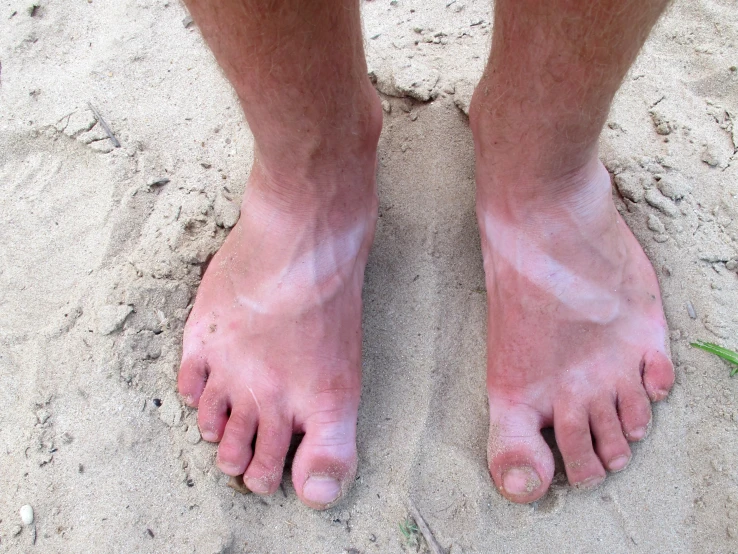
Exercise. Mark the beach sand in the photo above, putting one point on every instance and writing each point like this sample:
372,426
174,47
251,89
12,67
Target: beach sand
101,252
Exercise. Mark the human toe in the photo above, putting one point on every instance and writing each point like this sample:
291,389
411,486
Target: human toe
264,471
234,450
212,412
191,379
325,462
573,436
634,411
520,462
610,443
658,375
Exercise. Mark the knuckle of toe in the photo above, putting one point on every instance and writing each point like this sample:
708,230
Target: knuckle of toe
634,403
228,456
204,420
334,442
612,436
240,421
569,427
642,419
636,419
269,464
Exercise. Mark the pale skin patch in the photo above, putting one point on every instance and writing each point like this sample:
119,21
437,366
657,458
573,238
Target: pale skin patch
587,298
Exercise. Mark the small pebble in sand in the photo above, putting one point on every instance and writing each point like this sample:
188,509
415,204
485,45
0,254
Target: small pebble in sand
690,310
26,514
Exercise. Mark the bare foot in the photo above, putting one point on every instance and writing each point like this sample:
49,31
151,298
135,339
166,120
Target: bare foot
273,344
577,335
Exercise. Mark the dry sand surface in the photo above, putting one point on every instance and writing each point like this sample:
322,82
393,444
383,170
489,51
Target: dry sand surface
101,250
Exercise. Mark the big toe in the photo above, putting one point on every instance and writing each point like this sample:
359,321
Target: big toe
520,462
325,462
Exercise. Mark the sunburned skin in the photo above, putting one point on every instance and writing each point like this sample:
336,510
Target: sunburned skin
273,345
576,339
576,331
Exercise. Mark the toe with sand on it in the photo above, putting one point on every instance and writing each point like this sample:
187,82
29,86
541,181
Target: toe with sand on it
592,431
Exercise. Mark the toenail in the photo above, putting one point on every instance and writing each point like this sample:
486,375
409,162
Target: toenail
637,434
618,464
321,490
590,482
518,481
228,469
209,436
258,486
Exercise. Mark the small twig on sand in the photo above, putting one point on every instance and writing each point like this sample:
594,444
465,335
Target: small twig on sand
425,530
104,126
690,310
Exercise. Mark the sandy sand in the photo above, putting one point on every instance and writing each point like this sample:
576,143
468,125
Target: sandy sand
100,257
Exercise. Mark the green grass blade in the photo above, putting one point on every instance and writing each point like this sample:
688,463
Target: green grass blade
724,353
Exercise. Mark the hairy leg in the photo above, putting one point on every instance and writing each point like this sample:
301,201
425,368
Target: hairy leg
577,335
273,344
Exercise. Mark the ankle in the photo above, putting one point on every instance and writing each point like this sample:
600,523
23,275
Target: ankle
320,165
320,141
527,141
581,196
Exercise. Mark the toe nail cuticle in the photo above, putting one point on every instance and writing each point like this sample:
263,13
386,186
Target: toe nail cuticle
589,483
228,469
